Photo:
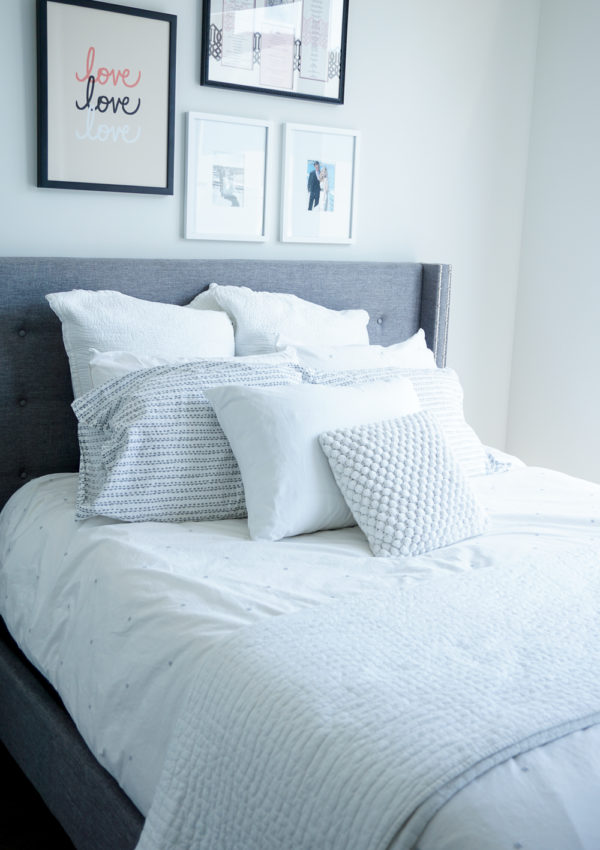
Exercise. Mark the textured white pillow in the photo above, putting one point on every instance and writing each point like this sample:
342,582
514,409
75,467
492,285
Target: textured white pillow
106,365
274,435
259,318
403,484
110,321
410,354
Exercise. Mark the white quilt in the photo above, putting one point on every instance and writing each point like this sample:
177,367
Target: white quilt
346,727
118,616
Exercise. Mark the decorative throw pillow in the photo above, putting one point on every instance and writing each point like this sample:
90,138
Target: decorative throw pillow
440,392
412,354
274,435
259,318
110,321
403,485
152,448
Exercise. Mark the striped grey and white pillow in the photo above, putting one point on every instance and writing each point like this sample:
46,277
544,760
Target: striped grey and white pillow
439,391
152,447
405,488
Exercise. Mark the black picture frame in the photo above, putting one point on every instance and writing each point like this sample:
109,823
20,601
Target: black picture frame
121,139
240,61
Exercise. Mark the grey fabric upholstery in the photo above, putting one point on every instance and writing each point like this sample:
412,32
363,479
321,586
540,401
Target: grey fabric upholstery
41,737
37,430
38,436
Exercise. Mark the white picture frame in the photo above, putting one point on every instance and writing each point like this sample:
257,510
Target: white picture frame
226,177
327,213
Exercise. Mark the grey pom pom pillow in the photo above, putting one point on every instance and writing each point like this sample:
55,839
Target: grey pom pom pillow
403,484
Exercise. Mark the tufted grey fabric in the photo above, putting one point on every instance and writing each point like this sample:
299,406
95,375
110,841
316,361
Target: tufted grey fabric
402,483
38,429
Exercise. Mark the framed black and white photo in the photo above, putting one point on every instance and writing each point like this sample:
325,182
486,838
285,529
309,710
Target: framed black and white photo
106,97
295,48
319,184
226,179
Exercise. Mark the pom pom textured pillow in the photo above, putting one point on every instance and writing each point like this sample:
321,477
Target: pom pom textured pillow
403,485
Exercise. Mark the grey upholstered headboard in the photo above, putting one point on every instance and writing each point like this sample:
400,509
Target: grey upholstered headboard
38,429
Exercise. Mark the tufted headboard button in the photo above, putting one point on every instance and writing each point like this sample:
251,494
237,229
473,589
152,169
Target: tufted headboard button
22,402
23,474
380,320
22,332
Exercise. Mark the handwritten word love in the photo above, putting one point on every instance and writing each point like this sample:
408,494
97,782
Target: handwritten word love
104,133
103,103
103,75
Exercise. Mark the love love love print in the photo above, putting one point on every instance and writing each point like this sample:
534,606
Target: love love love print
110,102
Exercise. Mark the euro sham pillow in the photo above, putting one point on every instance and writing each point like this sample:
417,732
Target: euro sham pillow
259,318
403,485
108,321
274,434
106,365
152,448
439,391
412,353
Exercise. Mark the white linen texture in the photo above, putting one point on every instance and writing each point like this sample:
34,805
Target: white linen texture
106,365
439,391
259,318
107,321
403,485
152,448
274,434
412,353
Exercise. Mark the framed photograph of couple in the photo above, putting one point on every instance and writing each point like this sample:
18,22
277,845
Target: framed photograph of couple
226,180
319,184
295,48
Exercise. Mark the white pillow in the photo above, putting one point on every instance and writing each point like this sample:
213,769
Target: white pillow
403,484
109,321
106,365
274,435
259,318
410,354
438,390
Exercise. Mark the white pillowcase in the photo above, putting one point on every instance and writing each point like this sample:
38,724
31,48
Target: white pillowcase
410,354
106,365
403,484
274,435
109,321
259,318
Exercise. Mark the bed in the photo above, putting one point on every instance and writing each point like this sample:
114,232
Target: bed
42,452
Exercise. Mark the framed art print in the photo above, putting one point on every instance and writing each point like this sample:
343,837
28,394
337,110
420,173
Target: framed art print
319,184
226,177
106,97
295,48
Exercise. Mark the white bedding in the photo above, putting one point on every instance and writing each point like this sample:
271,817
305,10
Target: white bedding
116,616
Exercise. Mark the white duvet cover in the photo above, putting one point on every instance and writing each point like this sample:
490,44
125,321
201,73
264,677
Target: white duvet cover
117,616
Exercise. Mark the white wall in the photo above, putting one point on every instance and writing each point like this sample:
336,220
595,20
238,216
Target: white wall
441,93
554,414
